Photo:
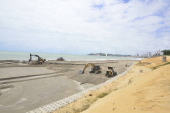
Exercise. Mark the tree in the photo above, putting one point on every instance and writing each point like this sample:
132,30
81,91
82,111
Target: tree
166,52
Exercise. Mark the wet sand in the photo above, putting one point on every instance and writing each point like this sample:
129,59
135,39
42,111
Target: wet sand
24,87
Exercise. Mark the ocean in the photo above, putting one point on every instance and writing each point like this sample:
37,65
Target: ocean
6,55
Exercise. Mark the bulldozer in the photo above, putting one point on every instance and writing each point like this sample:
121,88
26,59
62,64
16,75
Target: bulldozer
95,68
39,61
110,72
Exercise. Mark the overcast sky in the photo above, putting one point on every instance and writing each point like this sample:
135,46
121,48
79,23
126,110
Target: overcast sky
85,26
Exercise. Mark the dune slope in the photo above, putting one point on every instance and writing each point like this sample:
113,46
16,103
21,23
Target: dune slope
147,91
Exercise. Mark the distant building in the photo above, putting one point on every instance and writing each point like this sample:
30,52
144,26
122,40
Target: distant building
150,54
158,53
137,55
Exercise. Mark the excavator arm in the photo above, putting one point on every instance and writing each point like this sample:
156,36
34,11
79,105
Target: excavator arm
87,65
95,69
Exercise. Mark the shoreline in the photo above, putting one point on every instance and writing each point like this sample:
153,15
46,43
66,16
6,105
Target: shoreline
69,57
48,60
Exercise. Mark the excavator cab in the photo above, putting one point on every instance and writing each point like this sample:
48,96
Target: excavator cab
95,68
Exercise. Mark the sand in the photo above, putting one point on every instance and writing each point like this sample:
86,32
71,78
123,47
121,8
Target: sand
24,87
141,90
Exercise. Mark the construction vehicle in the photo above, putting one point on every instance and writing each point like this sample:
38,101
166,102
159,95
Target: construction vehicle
39,61
95,68
110,72
60,59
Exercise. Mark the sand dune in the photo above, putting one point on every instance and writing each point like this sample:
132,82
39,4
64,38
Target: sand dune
148,92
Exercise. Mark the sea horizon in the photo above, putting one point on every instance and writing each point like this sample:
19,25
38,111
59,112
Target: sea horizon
15,55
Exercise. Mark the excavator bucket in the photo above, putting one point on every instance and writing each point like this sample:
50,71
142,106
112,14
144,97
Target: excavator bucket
30,58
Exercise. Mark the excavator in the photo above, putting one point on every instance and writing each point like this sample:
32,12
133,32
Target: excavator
39,61
95,68
110,72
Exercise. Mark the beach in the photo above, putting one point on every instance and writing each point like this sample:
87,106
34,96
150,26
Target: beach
144,89
84,56
25,86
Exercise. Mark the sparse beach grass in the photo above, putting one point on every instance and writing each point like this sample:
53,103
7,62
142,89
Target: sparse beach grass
102,95
160,65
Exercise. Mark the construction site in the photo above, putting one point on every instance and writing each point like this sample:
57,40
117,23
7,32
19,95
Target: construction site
25,86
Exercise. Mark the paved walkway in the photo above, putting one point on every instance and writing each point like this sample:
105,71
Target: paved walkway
21,95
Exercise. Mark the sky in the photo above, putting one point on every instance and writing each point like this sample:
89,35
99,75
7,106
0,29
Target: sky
85,26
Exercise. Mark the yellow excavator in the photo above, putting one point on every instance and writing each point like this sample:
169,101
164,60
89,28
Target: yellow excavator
110,72
39,61
95,68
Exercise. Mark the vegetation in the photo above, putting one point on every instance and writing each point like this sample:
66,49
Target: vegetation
166,52
160,65
87,103
83,108
102,95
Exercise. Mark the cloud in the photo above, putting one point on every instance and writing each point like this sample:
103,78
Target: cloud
85,26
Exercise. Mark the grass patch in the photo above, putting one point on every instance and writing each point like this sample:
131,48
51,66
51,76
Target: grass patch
84,104
102,95
85,107
160,65
154,68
